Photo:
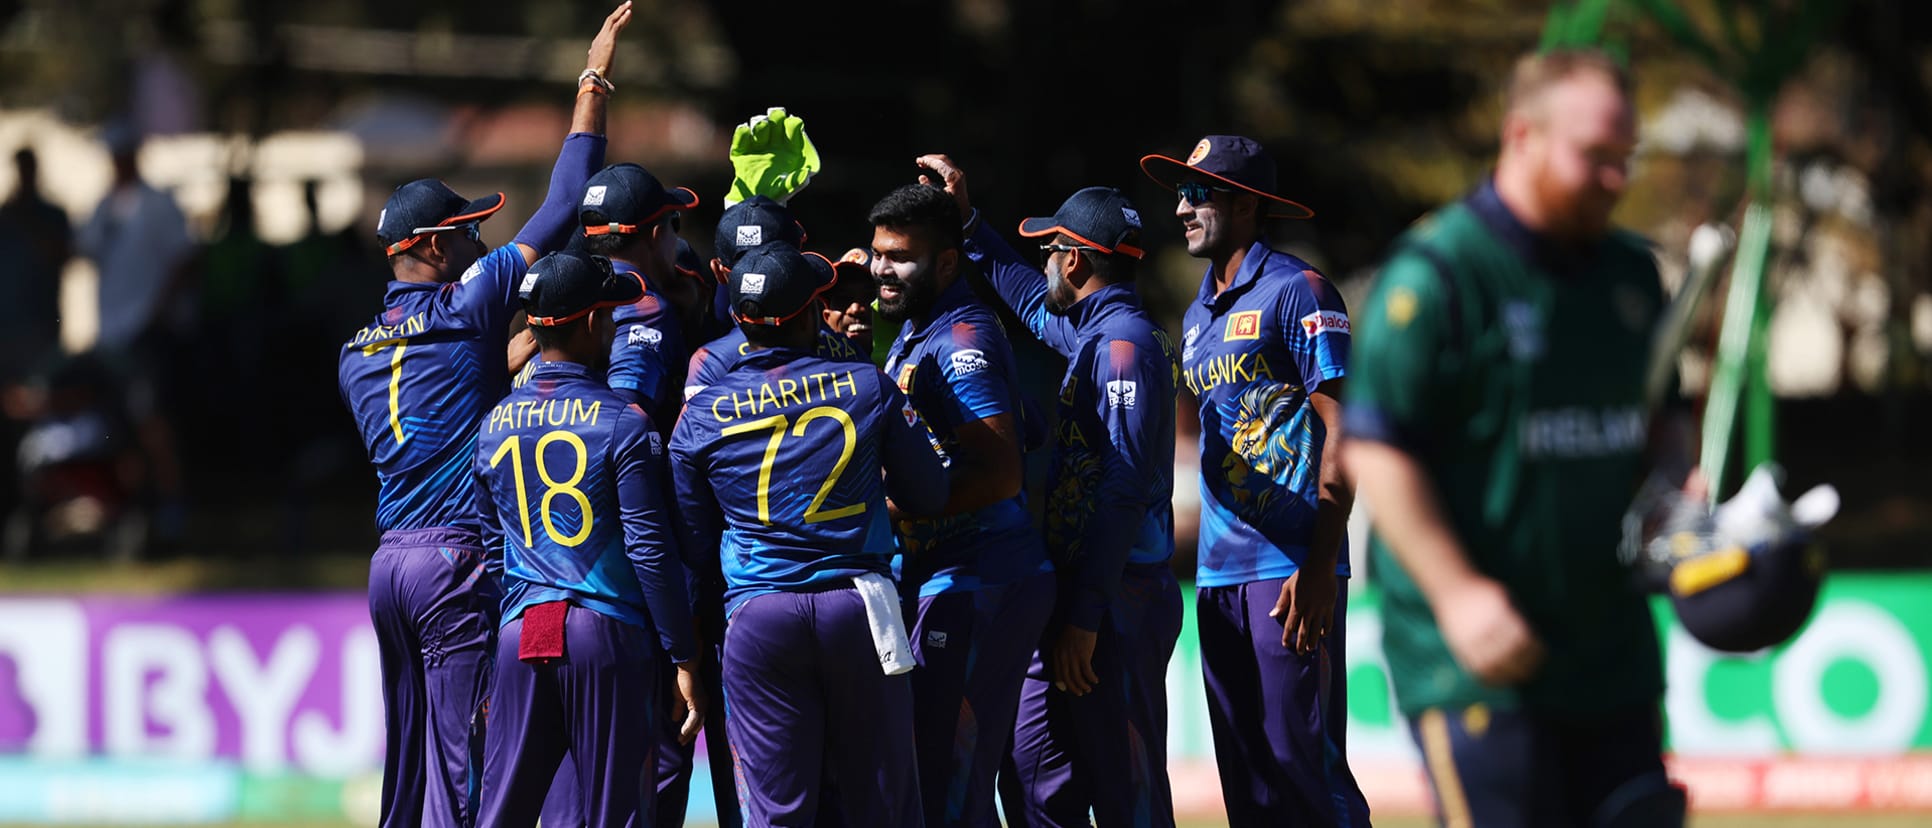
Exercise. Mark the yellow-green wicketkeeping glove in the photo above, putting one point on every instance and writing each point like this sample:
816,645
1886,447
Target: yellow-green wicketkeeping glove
772,157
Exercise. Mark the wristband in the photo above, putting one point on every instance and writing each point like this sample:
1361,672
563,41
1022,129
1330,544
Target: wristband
592,76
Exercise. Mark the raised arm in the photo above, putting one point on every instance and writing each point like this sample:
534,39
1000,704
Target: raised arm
1020,285
583,149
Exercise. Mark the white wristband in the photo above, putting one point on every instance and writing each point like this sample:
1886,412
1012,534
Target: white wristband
598,78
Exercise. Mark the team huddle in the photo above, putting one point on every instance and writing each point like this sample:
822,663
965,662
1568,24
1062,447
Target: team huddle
629,495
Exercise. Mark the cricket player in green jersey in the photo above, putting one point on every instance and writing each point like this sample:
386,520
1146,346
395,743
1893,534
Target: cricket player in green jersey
1499,430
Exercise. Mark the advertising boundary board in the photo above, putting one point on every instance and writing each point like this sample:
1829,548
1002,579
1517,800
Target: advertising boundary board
267,707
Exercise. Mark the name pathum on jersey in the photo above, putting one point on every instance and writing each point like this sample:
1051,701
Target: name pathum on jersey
575,502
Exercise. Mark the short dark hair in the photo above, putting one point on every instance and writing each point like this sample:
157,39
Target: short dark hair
784,333
924,207
607,244
548,336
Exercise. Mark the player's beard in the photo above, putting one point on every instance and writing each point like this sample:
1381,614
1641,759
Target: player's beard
1059,294
915,295
1577,214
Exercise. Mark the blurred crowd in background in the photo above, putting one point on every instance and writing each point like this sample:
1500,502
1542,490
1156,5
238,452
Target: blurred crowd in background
187,234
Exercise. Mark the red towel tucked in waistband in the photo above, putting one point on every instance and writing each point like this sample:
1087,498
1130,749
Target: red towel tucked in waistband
543,632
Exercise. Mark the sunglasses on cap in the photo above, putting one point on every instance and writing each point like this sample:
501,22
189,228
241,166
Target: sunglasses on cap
473,229
1047,250
1198,193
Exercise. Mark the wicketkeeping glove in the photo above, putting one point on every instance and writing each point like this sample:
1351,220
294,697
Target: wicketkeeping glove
772,157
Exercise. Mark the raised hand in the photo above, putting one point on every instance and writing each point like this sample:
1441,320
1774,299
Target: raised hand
605,44
771,156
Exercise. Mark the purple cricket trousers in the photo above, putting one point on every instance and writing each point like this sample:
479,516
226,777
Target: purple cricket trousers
1279,718
1104,753
434,609
599,704
973,650
810,705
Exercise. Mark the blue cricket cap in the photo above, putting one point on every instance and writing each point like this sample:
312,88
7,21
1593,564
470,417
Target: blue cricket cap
566,286
775,282
1231,160
1098,217
625,198
754,222
427,205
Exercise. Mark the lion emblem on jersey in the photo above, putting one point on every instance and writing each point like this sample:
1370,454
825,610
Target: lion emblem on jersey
1070,504
1276,438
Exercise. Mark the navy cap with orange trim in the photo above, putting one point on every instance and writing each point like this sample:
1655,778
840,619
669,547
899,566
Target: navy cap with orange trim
775,282
755,221
625,198
428,205
1231,160
566,286
1098,217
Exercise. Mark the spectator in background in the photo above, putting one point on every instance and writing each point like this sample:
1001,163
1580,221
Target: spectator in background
240,298
328,279
35,241
139,242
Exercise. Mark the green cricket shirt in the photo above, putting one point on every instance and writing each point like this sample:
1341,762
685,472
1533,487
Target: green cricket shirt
1514,373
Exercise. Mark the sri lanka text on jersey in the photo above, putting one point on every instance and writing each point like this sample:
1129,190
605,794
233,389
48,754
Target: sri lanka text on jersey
1226,368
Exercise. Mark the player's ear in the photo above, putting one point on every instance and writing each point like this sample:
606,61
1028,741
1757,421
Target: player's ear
946,264
433,249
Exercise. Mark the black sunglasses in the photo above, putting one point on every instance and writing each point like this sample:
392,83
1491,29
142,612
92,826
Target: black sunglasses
1198,193
677,221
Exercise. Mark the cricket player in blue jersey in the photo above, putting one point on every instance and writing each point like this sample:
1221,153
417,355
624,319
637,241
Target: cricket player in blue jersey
715,358
1091,736
744,227
1265,352
977,577
574,500
778,465
632,218
418,380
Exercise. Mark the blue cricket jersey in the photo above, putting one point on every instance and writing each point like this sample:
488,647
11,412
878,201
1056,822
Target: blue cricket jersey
956,367
712,360
573,477
777,466
1279,322
647,355
418,380
1110,500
